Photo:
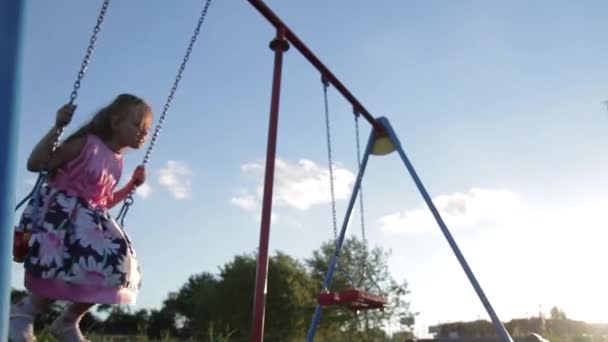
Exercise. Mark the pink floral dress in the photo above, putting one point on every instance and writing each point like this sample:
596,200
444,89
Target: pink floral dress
77,251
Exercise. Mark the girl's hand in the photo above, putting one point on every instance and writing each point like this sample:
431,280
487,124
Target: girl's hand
139,176
64,115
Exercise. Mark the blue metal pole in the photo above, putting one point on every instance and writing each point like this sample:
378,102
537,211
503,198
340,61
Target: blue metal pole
334,260
10,33
500,329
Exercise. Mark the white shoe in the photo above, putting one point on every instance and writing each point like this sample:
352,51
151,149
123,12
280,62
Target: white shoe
21,328
66,332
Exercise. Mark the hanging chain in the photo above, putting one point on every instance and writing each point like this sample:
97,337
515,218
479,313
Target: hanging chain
364,267
331,178
35,189
73,95
90,48
361,206
330,161
83,68
178,78
129,199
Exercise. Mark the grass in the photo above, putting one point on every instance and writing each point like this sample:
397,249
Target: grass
45,336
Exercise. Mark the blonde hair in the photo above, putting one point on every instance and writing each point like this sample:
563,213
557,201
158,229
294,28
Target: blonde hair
101,123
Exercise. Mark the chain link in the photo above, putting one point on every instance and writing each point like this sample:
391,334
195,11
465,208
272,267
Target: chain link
361,206
83,69
364,262
330,161
339,266
178,78
90,48
365,274
129,199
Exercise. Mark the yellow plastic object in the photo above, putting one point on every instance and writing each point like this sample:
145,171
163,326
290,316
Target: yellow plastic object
382,145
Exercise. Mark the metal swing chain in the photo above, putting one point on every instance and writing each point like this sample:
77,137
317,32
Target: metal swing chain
361,206
129,199
83,68
73,95
330,161
364,241
331,175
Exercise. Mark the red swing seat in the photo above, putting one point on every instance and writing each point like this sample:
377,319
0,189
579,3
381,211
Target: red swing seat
353,299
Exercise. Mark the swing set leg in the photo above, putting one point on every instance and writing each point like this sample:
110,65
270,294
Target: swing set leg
278,45
500,328
10,28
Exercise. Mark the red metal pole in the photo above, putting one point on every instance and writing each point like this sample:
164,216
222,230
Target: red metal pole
279,44
310,56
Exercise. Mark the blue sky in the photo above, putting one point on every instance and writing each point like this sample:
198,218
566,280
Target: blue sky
498,105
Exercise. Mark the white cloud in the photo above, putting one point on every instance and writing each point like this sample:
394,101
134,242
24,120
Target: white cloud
247,202
175,177
252,167
297,185
458,210
144,191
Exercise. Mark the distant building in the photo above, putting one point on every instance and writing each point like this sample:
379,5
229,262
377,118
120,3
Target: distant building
454,336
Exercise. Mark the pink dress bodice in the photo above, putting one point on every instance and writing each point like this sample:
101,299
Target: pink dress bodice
92,175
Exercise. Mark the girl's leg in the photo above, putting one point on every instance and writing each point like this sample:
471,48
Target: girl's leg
23,313
66,326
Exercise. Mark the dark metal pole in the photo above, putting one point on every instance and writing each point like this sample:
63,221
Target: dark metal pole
279,45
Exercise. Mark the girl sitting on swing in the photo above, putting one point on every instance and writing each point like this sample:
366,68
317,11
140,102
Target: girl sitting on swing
76,251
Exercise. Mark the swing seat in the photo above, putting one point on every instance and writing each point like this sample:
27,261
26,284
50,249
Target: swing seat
353,299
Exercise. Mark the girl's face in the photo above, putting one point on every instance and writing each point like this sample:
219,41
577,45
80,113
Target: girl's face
133,128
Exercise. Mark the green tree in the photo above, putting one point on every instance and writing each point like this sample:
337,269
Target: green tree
195,305
161,324
221,305
292,300
557,313
123,321
224,303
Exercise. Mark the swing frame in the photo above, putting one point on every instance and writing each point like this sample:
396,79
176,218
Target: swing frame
380,128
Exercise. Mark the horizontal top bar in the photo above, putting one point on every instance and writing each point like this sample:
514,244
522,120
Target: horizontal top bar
310,56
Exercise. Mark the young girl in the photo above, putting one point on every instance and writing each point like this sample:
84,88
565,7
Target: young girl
77,252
